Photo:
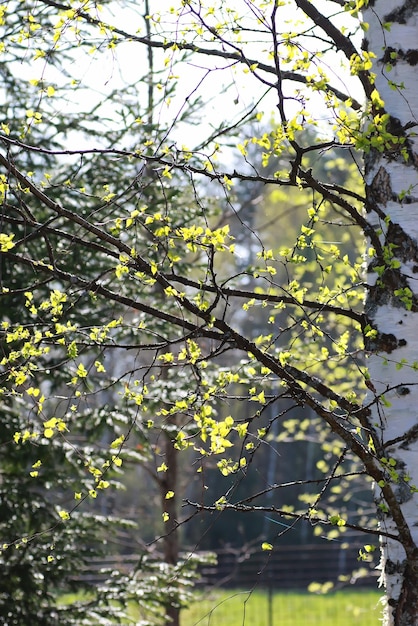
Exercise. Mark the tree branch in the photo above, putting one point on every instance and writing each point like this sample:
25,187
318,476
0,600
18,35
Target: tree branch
210,52
342,43
239,508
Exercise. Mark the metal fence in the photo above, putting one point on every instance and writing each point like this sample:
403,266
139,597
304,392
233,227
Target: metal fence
291,567
287,567
252,587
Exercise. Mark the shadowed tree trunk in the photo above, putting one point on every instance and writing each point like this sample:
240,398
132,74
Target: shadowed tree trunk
168,486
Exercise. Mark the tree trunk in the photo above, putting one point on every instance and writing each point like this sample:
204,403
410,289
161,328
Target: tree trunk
392,301
168,485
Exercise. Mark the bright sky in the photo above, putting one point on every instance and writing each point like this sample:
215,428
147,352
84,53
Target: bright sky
226,93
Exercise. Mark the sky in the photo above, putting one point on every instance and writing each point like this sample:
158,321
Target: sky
226,91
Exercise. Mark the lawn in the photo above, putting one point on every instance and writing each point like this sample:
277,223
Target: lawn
244,608
241,608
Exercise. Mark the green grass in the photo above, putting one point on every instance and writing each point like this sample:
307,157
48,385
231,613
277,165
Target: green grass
239,608
244,608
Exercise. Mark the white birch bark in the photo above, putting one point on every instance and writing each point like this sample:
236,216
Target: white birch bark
389,178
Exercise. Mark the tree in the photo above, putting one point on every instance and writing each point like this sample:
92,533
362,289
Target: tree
390,175
172,287
36,480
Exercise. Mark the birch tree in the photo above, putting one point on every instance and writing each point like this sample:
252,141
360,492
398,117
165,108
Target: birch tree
391,204
86,176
